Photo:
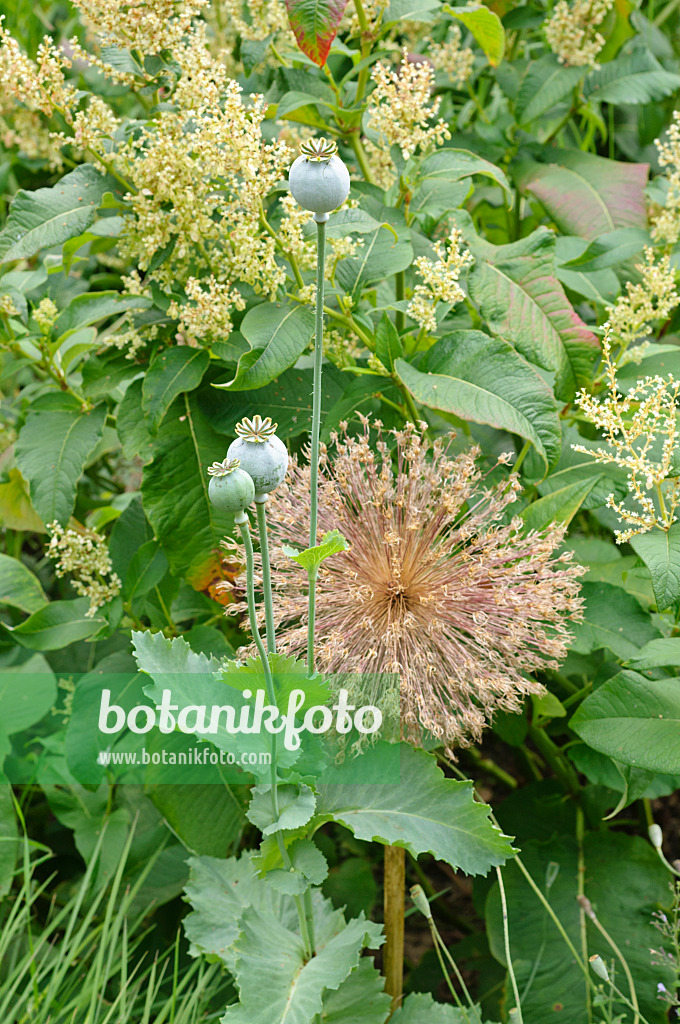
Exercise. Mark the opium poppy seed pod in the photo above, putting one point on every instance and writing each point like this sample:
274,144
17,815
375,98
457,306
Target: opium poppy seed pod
261,453
230,489
319,180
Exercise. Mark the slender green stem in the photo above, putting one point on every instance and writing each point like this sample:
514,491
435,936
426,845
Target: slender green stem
506,941
244,527
454,965
522,456
555,758
633,1003
261,507
316,422
399,289
447,979
311,620
360,153
580,884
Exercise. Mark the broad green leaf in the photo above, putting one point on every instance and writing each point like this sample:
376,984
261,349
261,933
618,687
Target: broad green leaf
635,77
453,165
277,334
421,810
219,891
19,588
486,27
660,551
57,625
388,346
584,194
609,250
91,307
360,999
379,257
52,451
284,989
209,820
545,83
612,619
631,783
145,571
518,294
657,654
621,875
634,720
483,379
311,558
315,24
172,372
16,511
287,400
26,694
420,1008
50,216
344,222
560,505
294,100
131,425
175,488
84,741
296,807
413,10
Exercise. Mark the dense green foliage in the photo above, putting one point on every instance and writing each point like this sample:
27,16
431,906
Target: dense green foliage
505,268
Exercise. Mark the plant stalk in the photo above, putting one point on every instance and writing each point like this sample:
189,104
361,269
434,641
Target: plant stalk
244,527
393,955
320,219
261,507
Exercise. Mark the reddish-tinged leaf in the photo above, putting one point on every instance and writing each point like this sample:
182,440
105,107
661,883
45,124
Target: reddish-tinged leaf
315,24
585,194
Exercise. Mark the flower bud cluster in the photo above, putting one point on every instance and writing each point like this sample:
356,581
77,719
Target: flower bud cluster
571,31
83,555
400,109
441,279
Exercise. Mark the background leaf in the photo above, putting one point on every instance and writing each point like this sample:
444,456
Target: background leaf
585,194
517,292
315,23
277,334
19,588
422,811
483,379
52,451
634,720
49,216
172,372
660,551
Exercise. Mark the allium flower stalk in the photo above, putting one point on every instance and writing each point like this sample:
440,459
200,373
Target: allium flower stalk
436,585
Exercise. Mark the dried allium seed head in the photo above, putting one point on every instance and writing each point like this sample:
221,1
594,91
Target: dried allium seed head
257,429
436,585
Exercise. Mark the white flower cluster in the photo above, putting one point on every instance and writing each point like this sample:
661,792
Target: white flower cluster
666,222
399,110
441,280
571,31
84,555
653,298
632,426
456,60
